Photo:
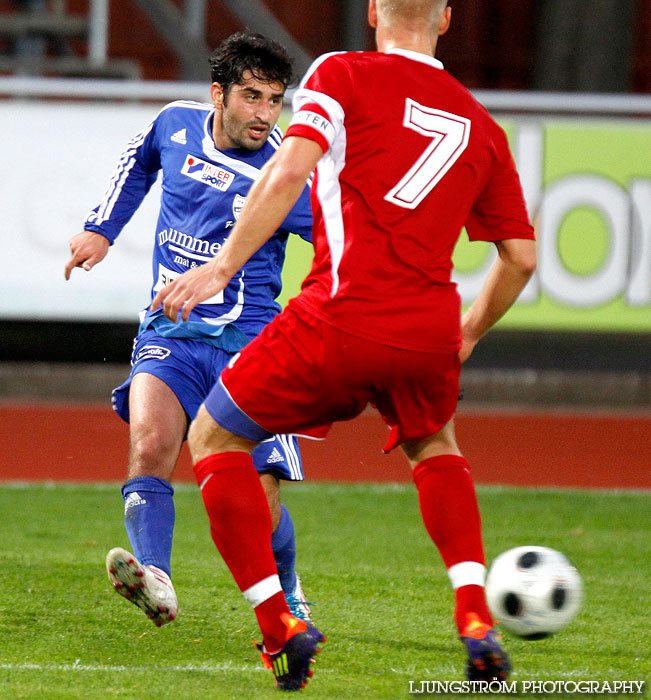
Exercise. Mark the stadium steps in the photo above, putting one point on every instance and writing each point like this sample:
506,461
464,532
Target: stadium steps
47,42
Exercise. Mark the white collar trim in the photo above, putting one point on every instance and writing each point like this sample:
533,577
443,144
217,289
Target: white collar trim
216,156
417,56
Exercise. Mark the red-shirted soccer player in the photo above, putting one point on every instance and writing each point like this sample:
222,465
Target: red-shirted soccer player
404,157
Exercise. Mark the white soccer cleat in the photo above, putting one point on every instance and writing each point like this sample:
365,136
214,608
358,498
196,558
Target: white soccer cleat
145,585
298,604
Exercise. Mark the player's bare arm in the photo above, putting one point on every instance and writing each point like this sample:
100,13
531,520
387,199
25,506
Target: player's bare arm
87,249
506,279
272,196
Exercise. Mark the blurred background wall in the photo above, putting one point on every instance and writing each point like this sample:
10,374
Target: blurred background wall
582,45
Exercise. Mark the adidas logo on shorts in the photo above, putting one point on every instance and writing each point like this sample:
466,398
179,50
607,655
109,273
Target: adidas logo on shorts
275,456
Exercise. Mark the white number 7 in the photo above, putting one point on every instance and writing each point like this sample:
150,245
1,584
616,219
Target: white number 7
449,134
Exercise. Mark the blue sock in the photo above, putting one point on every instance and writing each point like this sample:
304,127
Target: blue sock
283,544
149,519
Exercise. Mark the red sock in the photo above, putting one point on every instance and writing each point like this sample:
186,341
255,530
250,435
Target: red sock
240,525
450,512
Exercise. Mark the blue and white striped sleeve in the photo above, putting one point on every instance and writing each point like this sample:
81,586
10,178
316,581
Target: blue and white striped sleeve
134,175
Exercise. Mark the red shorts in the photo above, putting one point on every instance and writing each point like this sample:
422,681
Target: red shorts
301,374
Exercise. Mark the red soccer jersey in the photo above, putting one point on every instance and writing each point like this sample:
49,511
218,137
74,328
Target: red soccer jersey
410,157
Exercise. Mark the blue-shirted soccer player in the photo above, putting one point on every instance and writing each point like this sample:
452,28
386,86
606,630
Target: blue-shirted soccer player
209,155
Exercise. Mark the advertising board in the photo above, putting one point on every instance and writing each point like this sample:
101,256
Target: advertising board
586,179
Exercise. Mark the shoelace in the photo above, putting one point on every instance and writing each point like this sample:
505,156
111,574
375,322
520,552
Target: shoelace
295,605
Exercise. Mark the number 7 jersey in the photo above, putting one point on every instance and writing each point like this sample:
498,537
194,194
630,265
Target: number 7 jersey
410,158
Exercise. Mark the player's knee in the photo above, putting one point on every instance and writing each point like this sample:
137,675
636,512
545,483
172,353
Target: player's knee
207,437
153,453
200,434
441,443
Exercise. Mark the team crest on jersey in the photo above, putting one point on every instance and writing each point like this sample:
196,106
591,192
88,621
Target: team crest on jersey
238,203
211,175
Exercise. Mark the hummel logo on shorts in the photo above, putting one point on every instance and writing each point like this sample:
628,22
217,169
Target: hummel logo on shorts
275,456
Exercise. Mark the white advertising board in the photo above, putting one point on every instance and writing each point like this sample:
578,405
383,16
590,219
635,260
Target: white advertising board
55,163
585,166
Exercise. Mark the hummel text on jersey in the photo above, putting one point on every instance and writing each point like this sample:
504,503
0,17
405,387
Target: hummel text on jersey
209,174
189,243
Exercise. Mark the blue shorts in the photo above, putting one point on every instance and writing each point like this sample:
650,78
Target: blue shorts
190,368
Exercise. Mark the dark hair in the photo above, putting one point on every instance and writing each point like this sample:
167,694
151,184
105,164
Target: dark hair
265,58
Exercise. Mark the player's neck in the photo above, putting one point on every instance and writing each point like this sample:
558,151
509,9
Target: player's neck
219,137
419,42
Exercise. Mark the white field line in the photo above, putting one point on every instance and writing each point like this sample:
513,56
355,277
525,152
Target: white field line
410,671
78,666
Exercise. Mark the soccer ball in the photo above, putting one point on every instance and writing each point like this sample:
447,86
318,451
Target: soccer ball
533,591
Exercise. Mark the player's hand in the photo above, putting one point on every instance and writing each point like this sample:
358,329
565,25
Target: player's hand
467,346
87,249
189,289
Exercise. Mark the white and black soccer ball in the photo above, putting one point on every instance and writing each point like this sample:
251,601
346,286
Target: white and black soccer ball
533,591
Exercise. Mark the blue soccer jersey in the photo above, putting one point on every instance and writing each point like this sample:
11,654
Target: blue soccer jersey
203,193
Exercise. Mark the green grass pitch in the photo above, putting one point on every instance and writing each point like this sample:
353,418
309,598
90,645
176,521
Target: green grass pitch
381,595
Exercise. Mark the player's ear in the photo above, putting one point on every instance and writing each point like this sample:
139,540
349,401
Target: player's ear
217,95
444,23
372,13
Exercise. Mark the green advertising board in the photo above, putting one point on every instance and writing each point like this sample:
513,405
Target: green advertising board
588,188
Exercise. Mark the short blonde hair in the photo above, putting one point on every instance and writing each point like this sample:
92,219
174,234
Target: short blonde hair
410,10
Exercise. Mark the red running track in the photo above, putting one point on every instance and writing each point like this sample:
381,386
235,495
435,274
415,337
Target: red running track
89,443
